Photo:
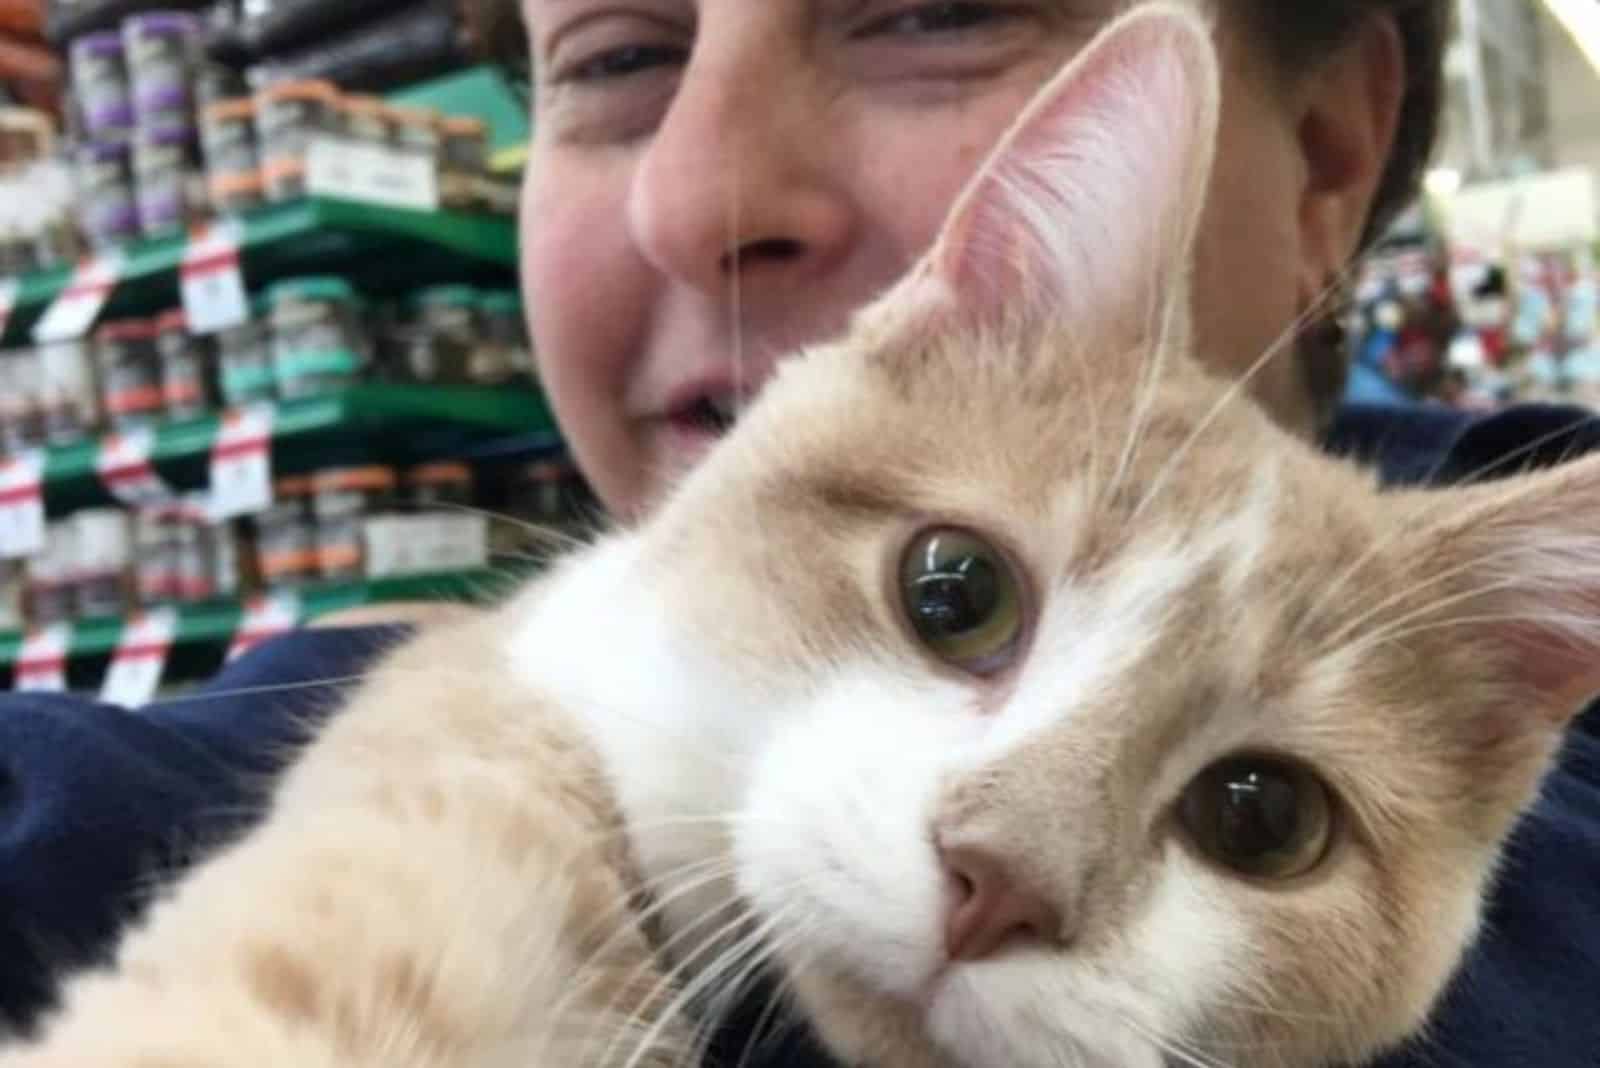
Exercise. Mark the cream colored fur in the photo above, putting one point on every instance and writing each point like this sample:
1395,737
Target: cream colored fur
540,838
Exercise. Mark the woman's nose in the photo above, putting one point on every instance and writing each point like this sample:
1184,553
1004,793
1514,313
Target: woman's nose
741,182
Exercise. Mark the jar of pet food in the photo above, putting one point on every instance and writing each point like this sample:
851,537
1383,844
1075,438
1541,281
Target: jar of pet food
51,597
416,131
224,548
319,343
104,543
163,50
155,557
443,347
367,120
286,536
100,82
289,116
228,136
215,82
70,401
506,351
192,549
440,486
244,364
22,424
130,373
164,174
463,159
185,367
344,499
107,207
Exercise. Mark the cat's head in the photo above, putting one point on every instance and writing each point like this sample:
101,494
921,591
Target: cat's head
1075,713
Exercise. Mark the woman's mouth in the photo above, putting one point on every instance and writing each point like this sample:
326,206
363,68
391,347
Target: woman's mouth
707,414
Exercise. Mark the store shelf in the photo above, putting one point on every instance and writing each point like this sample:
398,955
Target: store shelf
410,423
215,623
381,248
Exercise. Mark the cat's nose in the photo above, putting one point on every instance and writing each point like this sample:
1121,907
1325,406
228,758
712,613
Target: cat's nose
989,909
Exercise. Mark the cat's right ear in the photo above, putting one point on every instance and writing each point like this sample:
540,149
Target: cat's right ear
1087,210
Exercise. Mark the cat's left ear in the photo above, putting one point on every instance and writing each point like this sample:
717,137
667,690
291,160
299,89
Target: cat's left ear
1515,569
1086,212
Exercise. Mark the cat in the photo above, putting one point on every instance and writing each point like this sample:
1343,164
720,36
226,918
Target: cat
1005,682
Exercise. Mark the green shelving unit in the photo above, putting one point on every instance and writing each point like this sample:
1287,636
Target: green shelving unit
408,422
382,249
214,624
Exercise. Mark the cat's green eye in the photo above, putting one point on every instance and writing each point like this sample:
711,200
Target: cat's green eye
1259,816
962,600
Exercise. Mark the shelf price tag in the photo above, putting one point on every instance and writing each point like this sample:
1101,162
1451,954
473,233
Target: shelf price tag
213,286
241,463
140,659
79,305
351,170
22,506
264,617
127,472
42,662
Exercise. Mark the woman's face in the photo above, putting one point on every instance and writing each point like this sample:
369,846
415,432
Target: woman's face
715,182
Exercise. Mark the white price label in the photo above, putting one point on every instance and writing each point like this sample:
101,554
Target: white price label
351,170
80,303
42,662
265,617
241,464
21,506
140,659
214,296
126,470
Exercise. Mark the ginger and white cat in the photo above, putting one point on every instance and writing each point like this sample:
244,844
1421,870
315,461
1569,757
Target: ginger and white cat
1014,688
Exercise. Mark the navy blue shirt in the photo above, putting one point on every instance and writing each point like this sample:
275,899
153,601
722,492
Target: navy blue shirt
98,805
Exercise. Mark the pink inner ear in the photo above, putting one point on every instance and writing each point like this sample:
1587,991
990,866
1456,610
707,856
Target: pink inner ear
1086,211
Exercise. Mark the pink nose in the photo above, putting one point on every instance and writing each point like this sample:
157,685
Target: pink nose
989,909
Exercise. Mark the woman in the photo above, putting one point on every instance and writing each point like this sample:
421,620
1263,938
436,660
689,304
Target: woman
717,181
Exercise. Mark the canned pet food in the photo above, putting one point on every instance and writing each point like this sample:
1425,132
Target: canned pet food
162,50
192,549
463,158
130,373
244,364
286,536
104,542
100,81
228,135
288,116
22,423
417,131
344,500
319,343
164,174
367,120
109,212
51,598
444,345
68,393
506,351
185,370
156,557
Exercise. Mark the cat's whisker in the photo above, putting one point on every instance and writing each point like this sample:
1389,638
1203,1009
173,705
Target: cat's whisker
1236,389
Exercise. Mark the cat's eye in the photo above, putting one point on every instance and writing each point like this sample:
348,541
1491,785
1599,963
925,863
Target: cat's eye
962,599
1260,816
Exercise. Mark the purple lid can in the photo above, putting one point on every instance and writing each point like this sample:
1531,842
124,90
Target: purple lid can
161,24
104,45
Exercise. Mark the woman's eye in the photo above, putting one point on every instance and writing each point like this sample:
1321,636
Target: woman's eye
1261,817
962,600
621,62
951,16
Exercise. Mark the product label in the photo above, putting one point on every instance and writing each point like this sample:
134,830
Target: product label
80,303
42,662
352,170
241,463
22,506
212,282
432,543
140,659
